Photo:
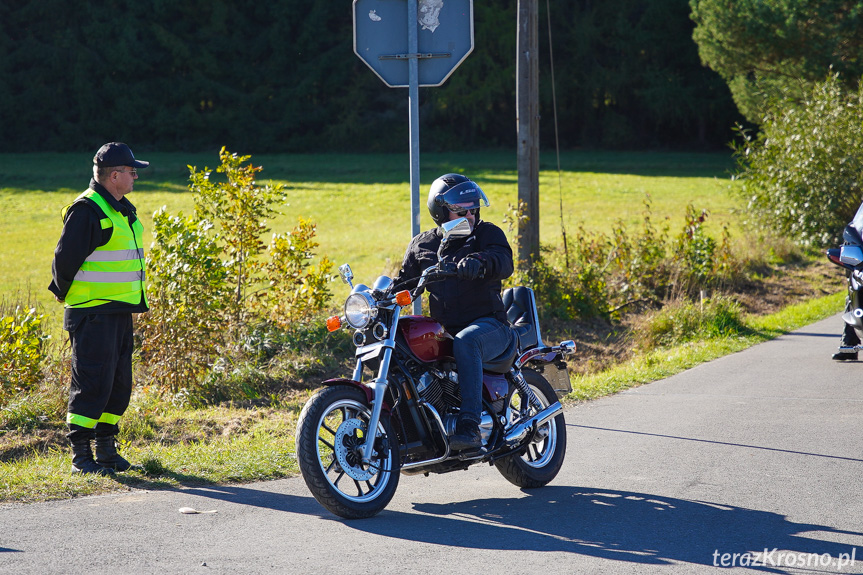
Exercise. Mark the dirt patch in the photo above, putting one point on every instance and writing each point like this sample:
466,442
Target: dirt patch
15,443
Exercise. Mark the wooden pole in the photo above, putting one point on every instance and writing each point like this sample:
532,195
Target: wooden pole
527,111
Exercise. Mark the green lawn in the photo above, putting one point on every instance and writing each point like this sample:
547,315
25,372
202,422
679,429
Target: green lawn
361,203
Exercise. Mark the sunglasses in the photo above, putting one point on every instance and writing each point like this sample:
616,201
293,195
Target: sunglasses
462,212
132,171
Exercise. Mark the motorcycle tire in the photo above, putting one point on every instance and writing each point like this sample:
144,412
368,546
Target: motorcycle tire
332,425
541,459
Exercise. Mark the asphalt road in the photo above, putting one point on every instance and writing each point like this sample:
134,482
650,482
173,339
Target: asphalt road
760,450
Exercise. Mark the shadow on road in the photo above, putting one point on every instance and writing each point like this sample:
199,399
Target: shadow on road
624,526
811,334
619,525
264,499
843,458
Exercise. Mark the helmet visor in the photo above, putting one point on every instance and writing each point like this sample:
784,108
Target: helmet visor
463,197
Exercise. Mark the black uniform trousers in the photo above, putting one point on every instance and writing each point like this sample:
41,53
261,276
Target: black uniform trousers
101,384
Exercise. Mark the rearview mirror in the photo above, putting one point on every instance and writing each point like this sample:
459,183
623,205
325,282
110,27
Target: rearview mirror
851,255
346,274
457,228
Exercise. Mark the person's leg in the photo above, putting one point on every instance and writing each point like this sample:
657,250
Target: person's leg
483,340
93,357
847,350
849,340
121,391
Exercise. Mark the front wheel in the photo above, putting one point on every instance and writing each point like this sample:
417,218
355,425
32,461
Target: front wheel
330,432
541,459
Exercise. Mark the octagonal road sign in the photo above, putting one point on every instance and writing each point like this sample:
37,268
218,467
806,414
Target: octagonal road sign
444,38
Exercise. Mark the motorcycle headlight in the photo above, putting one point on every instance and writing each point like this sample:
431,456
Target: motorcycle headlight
360,310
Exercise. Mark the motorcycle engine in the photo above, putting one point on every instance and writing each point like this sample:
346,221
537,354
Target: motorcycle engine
440,388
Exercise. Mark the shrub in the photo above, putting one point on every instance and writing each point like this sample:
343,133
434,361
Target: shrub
212,279
596,275
34,374
22,349
682,321
188,295
297,289
802,173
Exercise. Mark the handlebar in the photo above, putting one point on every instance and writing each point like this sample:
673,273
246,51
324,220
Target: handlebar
437,272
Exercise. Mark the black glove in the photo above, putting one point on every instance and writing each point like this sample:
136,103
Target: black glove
470,269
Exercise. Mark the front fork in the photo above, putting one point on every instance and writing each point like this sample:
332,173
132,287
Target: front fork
379,387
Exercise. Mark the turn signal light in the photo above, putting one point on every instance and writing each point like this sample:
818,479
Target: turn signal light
403,298
334,323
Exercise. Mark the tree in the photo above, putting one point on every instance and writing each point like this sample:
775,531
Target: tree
803,174
767,48
282,77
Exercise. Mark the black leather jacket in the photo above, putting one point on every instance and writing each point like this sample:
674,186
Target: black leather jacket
453,302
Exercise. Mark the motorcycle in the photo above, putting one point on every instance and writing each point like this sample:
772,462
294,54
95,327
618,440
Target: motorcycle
850,257
355,437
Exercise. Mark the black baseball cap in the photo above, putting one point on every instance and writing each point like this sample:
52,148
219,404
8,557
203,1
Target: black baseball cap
117,154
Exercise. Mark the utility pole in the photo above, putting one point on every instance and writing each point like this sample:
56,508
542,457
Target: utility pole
527,112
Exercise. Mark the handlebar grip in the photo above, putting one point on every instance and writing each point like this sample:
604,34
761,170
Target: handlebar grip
448,269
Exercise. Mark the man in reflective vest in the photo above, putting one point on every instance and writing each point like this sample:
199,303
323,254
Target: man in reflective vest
98,272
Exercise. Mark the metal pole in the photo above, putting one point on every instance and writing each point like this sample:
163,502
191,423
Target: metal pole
414,105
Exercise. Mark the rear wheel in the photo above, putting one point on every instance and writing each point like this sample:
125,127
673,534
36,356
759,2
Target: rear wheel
330,433
541,459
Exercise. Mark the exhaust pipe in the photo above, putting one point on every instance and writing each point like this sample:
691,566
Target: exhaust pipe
518,433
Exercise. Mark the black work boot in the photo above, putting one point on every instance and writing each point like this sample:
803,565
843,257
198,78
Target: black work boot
107,456
467,435
82,458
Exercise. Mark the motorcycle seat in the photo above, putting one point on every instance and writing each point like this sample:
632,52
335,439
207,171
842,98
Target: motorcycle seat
521,312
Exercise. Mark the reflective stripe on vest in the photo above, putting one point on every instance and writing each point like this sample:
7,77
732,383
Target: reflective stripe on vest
115,271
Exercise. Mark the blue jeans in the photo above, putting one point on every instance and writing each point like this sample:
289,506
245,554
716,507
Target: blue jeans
483,340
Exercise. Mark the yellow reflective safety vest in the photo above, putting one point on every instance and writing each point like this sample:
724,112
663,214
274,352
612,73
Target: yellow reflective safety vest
113,272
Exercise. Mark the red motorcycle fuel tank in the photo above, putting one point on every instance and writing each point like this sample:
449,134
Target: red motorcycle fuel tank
426,338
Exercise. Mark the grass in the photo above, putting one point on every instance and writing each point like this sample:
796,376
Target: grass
178,447
361,203
666,362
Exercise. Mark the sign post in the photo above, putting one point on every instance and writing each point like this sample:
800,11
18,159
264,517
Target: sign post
408,44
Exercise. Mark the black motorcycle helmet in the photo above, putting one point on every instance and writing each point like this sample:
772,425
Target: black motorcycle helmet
454,192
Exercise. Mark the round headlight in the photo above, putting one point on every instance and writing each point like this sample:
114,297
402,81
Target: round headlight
359,310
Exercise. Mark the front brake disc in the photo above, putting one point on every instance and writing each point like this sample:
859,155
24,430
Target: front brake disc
347,445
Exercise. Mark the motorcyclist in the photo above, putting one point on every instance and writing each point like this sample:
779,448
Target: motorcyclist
469,306
849,341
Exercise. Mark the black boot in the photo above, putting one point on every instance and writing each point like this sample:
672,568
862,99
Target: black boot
467,435
82,458
848,343
107,456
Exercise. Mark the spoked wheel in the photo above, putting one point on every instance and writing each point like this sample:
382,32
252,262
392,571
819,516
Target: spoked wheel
541,459
330,434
